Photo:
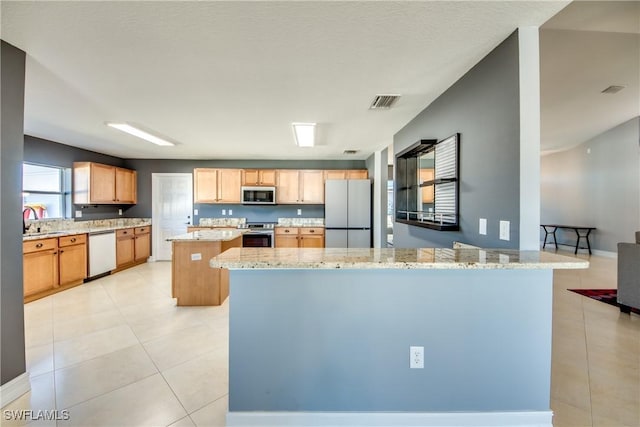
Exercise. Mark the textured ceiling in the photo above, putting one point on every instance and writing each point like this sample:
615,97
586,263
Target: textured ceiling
226,79
587,47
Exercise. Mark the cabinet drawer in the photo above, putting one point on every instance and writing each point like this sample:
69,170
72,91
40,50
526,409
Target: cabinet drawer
286,230
76,239
312,230
124,232
142,230
39,245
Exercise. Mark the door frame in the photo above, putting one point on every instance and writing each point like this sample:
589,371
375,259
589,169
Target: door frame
154,208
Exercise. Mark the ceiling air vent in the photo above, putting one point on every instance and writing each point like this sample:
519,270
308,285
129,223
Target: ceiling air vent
613,89
350,151
383,102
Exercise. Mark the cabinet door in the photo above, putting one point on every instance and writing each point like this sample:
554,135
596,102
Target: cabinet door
287,187
125,247
358,174
286,241
103,183
142,246
73,264
205,185
267,177
125,186
312,190
251,177
311,241
40,271
229,183
335,174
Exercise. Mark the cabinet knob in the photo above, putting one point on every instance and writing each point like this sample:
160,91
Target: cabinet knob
312,231
61,251
124,232
286,231
73,240
39,245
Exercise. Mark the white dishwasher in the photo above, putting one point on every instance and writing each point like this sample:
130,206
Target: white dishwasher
102,252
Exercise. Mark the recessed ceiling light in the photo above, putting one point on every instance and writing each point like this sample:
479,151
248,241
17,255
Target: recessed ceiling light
613,89
304,134
132,130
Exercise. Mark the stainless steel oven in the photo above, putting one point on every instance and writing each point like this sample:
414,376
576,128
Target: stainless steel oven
260,235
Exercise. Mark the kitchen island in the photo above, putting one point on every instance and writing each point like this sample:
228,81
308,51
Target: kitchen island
323,336
192,281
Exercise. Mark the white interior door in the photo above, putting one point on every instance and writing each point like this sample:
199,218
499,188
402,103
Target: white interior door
172,198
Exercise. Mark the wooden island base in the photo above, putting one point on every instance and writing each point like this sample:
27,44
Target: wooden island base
193,282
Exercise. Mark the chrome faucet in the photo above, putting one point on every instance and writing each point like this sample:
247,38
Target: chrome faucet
26,227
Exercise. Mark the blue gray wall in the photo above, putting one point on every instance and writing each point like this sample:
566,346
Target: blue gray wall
257,213
338,340
596,184
12,75
483,106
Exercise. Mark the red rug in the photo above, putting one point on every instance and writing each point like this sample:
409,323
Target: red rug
609,296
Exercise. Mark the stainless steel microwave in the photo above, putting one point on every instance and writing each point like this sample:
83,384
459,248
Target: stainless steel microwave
259,195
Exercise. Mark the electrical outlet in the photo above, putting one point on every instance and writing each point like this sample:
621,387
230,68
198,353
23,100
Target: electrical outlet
78,214
224,211
230,211
119,211
416,357
504,230
299,211
482,226
195,211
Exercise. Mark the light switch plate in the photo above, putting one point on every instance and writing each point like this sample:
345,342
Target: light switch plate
504,230
299,211
482,226
195,211
119,211
78,214
230,211
224,211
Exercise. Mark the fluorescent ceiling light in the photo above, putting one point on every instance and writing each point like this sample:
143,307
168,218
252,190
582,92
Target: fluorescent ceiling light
304,133
132,130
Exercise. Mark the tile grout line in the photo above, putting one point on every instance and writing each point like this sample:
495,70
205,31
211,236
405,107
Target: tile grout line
586,350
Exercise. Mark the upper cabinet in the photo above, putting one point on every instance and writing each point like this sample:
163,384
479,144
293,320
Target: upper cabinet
95,183
259,177
300,187
346,174
217,185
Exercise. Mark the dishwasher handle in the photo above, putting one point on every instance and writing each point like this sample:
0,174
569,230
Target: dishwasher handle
97,233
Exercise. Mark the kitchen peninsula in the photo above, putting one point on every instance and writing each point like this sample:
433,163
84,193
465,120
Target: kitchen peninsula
332,346
192,281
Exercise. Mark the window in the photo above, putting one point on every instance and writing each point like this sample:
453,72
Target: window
45,191
427,184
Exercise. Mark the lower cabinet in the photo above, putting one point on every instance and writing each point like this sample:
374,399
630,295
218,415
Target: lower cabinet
53,264
133,246
302,237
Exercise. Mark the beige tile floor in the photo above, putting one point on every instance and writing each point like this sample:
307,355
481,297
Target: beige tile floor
117,352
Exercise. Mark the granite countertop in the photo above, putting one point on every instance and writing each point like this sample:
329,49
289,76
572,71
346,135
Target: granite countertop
71,232
208,235
300,222
391,258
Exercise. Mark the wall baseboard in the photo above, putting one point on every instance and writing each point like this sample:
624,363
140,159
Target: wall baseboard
13,389
383,419
605,253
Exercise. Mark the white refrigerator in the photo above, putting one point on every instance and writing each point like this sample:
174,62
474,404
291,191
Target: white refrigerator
347,213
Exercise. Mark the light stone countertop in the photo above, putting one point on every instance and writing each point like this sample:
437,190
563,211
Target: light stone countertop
71,232
391,258
208,235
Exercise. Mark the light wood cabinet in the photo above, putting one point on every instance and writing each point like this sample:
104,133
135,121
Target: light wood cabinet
217,185
259,177
73,259
53,264
346,174
133,246
142,249
300,187
302,237
95,183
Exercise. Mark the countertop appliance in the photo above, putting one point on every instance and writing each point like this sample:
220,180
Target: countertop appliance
347,213
102,252
260,235
258,195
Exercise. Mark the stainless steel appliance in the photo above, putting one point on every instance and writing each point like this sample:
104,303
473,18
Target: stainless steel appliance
102,252
347,213
260,235
259,195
